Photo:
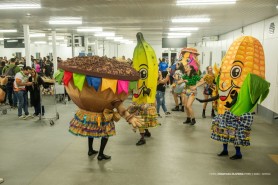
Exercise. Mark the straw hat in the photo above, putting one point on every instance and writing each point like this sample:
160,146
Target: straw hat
190,50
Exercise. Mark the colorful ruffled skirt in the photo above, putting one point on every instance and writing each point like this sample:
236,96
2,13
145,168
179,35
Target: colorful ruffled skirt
91,124
147,112
228,128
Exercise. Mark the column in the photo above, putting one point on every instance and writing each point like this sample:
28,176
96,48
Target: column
27,45
86,44
72,45
96,47
54,50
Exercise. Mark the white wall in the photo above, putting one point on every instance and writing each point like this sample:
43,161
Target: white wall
259,30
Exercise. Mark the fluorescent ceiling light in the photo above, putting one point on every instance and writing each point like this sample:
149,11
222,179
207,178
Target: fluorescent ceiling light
57,38
4,38
93,43
8,31
105,34
12,40
37,35
204,2
97,29
118,38
176,36
184,29
40,42
179,34
193,20
65,20
5,6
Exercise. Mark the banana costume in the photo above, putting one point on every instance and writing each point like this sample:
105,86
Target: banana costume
145,62
241,85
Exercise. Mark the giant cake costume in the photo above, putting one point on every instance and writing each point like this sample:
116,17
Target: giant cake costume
98,86
145,62
241,85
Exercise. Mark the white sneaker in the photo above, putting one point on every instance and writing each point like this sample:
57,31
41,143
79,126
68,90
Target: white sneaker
22,117
28,116
1,180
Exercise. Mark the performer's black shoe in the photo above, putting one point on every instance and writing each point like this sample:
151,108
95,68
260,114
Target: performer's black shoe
235,157
176,108
204,114
188,120
147,134
182,108
141,142
223,153
103,157
193,121
92,152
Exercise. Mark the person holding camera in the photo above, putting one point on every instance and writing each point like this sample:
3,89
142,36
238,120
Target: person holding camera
20,83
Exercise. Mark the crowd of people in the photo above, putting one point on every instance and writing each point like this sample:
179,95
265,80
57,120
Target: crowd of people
21,80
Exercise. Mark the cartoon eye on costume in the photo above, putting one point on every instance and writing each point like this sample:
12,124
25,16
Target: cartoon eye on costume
236,71
143,73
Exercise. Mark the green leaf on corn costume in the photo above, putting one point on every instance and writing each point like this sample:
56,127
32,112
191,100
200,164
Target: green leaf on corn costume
253,89
79,80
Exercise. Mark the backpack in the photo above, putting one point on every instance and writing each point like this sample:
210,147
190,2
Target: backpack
10,73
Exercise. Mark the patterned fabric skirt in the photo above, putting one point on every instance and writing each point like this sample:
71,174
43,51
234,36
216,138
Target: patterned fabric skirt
147,112
234,130
91,124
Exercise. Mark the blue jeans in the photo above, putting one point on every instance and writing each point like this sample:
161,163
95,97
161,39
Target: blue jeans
22,102
160,101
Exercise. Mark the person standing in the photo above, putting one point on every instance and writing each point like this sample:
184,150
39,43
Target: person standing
208,91
163,78
10,71
35,94
190,78
20,83
163,65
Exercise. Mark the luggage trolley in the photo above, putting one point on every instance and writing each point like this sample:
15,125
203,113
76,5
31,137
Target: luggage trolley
60,93
4,108
48,100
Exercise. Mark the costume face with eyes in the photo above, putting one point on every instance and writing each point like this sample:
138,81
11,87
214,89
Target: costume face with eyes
245,56
142,88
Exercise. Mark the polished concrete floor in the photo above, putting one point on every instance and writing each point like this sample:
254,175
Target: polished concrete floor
33,152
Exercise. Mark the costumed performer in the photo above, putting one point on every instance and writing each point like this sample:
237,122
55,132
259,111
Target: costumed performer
98,86
144,61
241,84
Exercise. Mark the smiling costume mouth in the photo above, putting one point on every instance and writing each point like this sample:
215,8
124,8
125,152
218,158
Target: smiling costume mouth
223,95
143,89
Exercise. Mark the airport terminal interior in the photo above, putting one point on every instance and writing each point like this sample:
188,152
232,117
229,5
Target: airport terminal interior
69,67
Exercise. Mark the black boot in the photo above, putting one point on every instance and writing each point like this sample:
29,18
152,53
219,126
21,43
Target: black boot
182,108
101,155
142,141
188,120
204,113
176,108
90,146
193,121
147,133
212,113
